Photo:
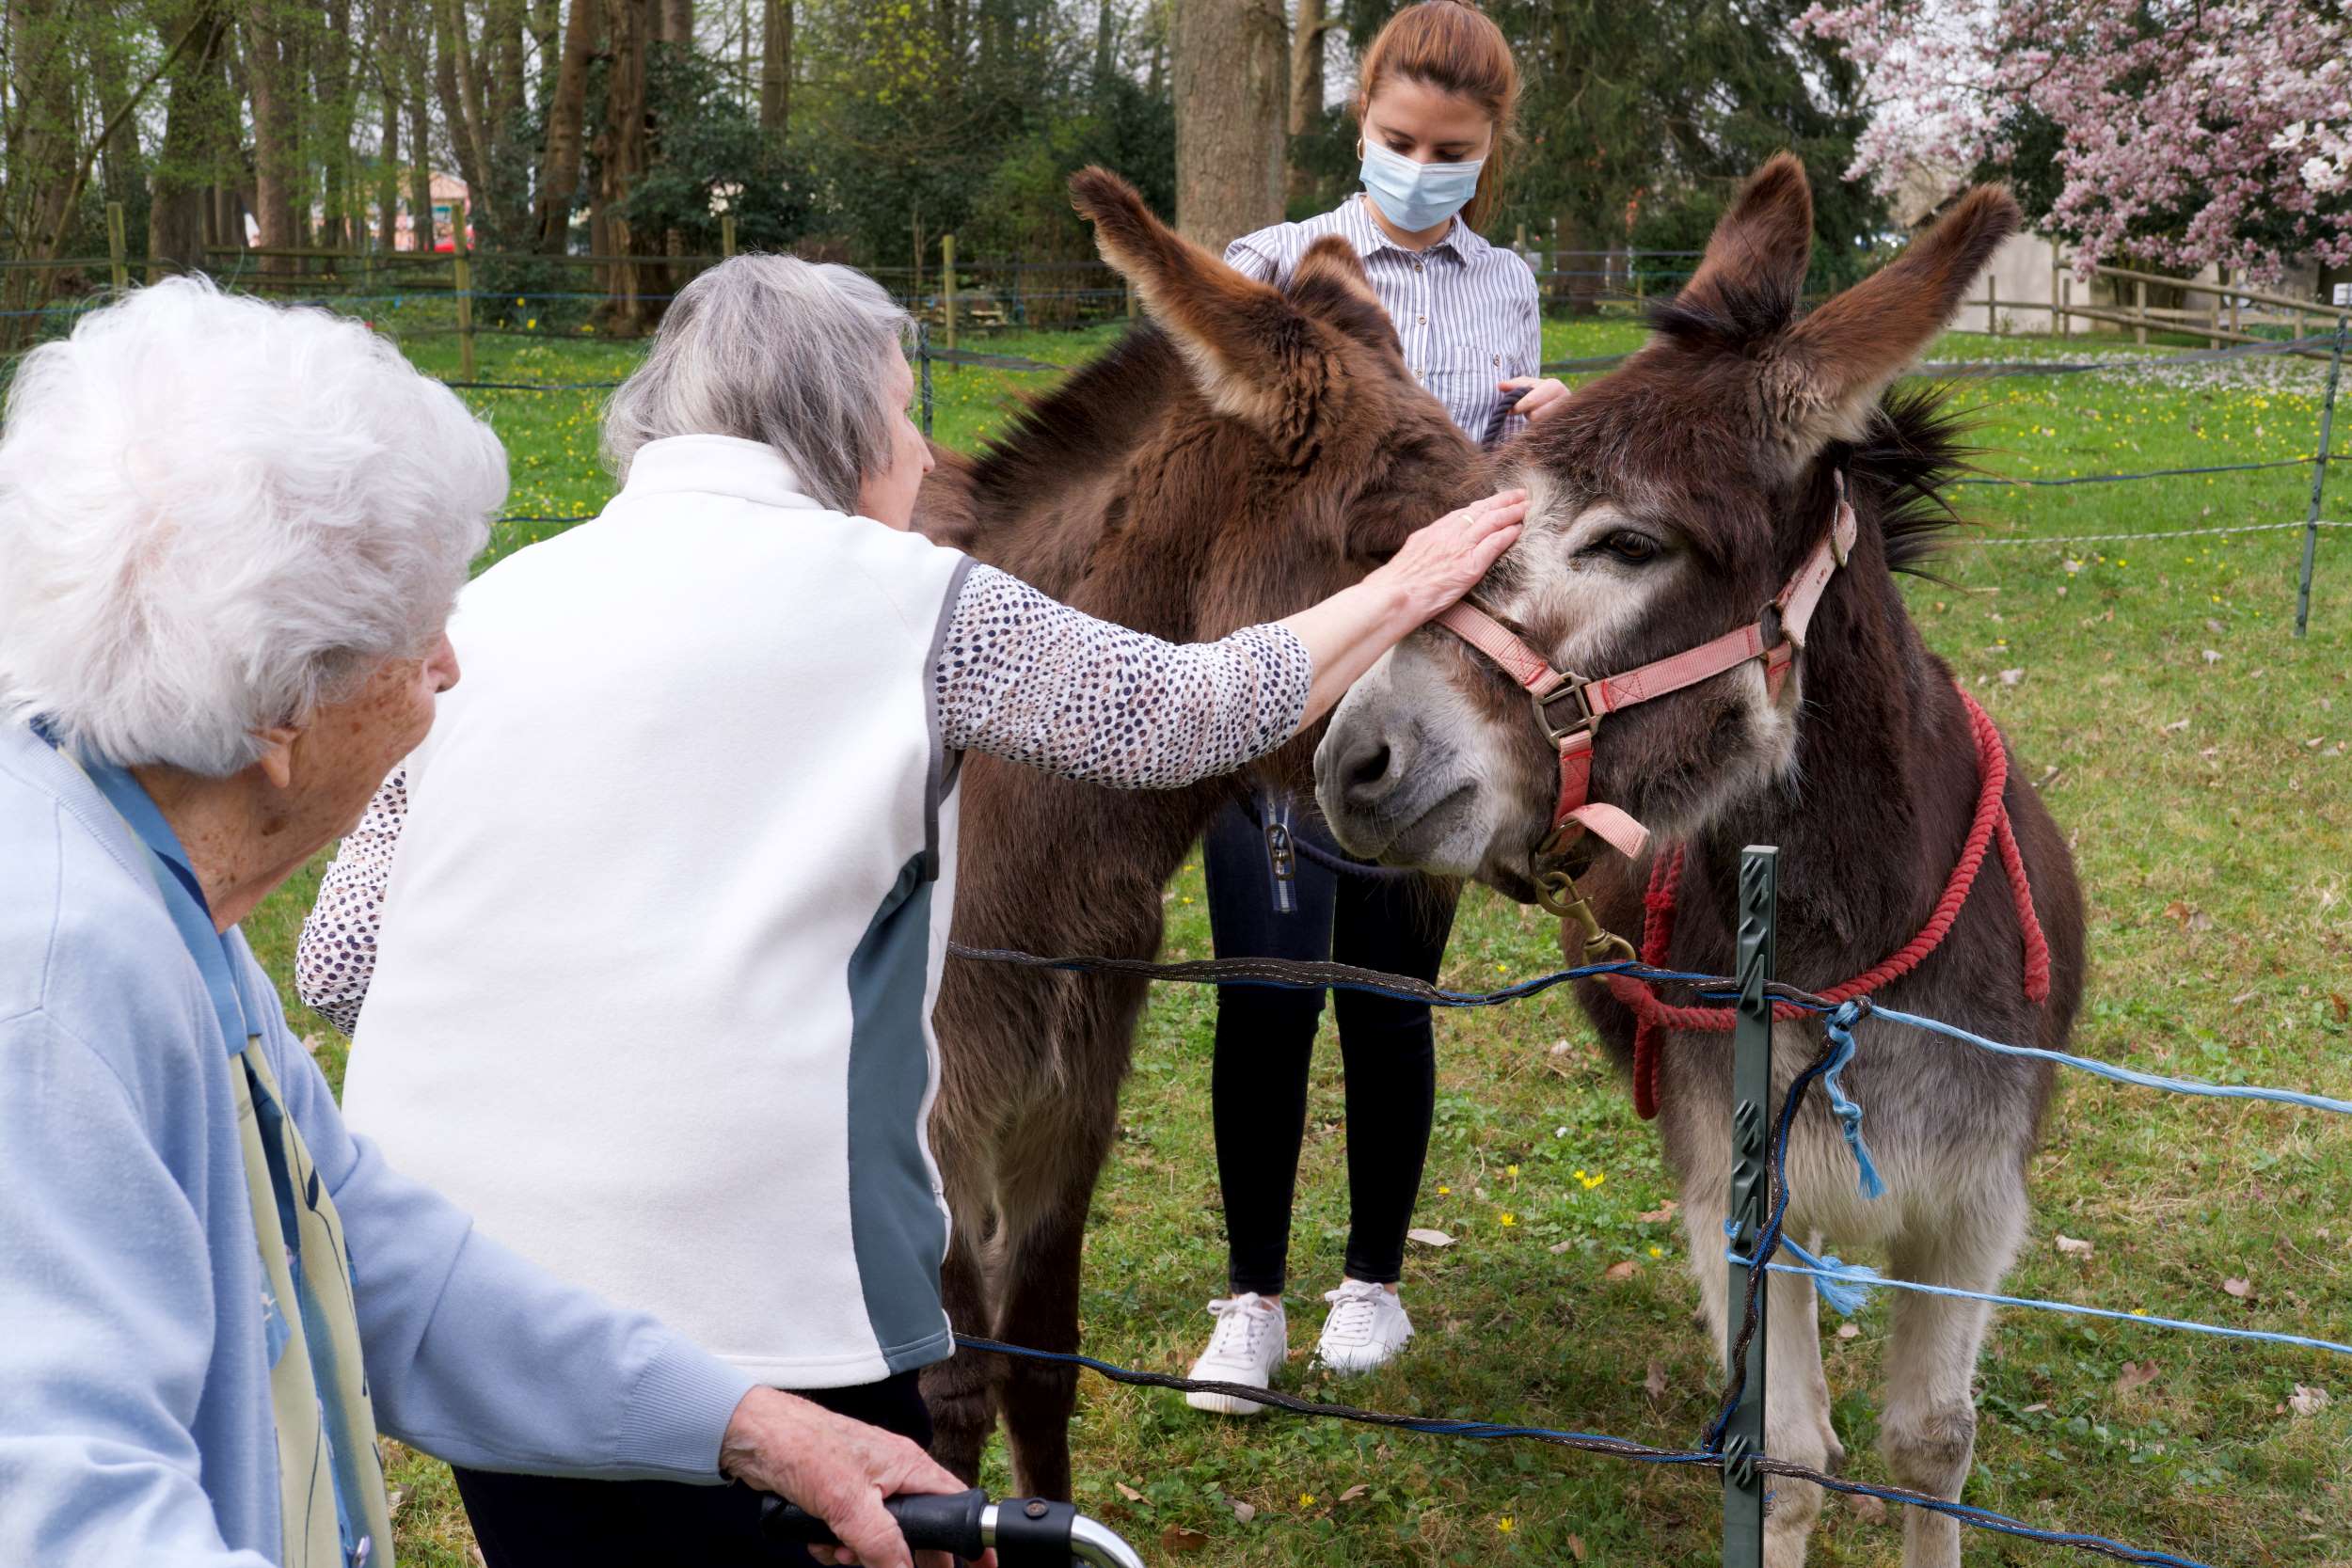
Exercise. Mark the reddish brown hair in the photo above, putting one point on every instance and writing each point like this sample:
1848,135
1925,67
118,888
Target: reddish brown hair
1454,48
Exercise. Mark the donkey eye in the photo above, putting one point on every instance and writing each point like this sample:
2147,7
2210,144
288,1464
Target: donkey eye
1628,546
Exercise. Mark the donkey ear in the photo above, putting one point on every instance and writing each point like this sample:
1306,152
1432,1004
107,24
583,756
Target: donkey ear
1330,284
1833,367
1231,328
1761,247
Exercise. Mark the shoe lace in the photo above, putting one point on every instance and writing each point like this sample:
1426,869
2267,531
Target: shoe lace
1238,1318
1355,1307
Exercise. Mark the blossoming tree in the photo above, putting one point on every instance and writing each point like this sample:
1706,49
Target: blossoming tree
2178,131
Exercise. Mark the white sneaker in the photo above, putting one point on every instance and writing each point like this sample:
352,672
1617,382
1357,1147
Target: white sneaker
1250,1340
1366,1329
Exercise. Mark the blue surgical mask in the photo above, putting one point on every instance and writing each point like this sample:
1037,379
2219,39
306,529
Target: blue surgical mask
1417,196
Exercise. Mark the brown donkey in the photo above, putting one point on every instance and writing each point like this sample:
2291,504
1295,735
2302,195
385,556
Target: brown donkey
1259,451
1671,500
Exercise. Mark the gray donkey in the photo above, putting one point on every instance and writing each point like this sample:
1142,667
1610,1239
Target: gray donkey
1672,499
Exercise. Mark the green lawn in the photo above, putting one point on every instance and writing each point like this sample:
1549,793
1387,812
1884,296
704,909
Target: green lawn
2197,754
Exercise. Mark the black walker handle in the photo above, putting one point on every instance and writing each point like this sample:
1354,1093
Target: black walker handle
1026,1532
944,1522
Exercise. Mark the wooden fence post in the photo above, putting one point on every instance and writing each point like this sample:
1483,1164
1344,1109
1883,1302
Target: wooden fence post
1751,1200
1992,305
726,236
461,279
2139,309
2066,305
2213,306
947,293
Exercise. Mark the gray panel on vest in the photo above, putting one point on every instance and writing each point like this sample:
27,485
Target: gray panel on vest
899,1235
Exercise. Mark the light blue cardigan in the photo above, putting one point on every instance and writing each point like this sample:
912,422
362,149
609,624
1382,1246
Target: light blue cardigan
135,1413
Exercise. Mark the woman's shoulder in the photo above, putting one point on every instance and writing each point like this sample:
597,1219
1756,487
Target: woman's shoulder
1279,246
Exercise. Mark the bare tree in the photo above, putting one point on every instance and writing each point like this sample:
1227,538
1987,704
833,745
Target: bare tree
197,120
274,82
1232,60
567,116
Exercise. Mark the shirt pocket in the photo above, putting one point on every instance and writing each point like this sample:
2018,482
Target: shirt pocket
1463,376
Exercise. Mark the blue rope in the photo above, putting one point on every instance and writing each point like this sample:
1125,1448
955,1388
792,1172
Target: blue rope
1981,1518
1848,1115
2125,1074
1847,1286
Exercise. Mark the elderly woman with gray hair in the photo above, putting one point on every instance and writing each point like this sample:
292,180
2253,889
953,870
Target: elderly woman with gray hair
649,927
230,537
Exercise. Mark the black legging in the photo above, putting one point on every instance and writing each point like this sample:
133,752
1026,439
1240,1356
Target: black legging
564,1522
1264,1039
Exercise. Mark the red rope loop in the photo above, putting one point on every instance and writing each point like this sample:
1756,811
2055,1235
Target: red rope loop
1991,827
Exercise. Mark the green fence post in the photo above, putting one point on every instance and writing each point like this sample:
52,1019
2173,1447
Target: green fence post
2319,468
1751,1199
461,280
726,235
947,290
115,260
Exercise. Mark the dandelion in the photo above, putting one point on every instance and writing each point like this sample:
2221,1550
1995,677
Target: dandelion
1504,1525
1592,1180
1445,1192
1509,1218
1510,1170
1306,1499
1657,1252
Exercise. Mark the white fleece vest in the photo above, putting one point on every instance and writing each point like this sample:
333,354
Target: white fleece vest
654,985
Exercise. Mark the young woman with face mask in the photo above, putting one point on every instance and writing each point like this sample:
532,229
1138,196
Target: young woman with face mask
1435,103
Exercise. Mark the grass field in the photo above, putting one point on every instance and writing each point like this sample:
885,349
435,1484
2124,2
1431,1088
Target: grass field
2195,751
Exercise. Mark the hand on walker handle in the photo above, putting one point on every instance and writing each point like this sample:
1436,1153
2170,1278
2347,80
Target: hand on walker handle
837,1468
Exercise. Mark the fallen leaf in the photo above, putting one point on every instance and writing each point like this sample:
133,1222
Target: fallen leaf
2135,1374
1242,1510
1353,1492
1128,1492
2072,1246
392,1504
2010,677
2199,921
2241,999
2176,726
1658,1216
2034,1409
1655,1384
1848,1331
2343,1007
1557,1248
2307,1402
1427,1237
1176,1541
1621,1271
2238,1288
1575,1547
1559,1048
1870,1510
2212,656
2178,914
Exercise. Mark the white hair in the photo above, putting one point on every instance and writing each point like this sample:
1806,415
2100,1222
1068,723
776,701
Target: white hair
777,350
217,514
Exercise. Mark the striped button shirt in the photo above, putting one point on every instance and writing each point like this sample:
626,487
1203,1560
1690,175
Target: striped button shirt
1465,310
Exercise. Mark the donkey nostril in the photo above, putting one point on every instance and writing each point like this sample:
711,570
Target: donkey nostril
1367,774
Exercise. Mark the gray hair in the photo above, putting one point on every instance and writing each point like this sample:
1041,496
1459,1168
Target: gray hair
217,514
776,350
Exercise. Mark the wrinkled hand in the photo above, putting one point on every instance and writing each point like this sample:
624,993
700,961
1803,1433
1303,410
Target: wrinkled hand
837,1468
1542,395
1444,561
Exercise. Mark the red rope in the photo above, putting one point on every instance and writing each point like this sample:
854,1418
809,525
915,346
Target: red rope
1990,827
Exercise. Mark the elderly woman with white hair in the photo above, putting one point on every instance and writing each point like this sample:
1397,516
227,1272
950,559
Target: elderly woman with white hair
649,929
230,538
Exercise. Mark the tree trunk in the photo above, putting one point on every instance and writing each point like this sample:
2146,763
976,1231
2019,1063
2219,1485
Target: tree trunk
631,30
677,22
388,166
421,227
271,79
567,115
459,86
338,109
775,66
1306,84
1232,60
179,185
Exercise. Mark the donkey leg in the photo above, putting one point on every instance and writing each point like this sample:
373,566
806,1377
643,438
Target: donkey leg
1040,1310
1930,1432
962,1391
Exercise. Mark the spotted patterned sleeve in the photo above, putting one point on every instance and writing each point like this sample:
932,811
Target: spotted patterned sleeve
336,955
1031,680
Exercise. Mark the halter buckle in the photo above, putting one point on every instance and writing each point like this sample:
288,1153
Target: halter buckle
1557,892
1585,721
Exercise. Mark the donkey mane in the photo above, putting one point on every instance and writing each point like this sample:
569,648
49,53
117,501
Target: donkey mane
1916,447
1085,423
